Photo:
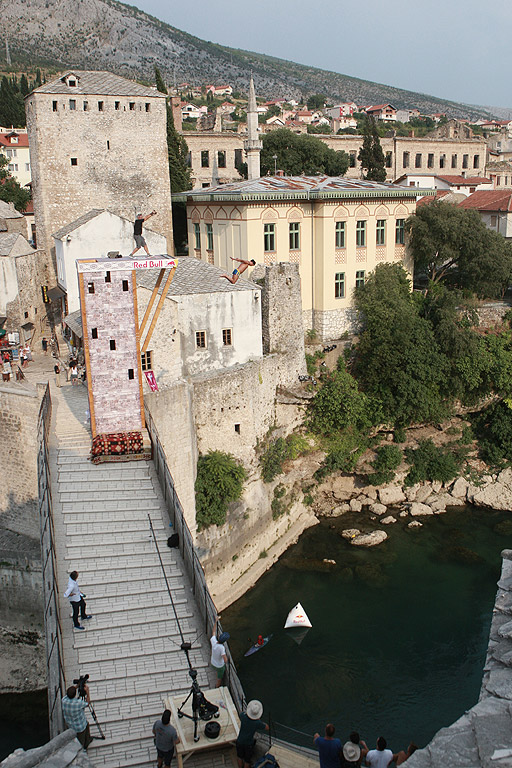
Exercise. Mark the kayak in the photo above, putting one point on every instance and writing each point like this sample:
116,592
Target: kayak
257,647
297,618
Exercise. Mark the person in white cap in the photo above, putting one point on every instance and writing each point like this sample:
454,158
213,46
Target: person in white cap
249,723
354,750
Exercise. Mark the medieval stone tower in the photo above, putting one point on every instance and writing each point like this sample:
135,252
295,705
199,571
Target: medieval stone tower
97,141
252,145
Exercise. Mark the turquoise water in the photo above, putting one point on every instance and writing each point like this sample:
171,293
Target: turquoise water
399,632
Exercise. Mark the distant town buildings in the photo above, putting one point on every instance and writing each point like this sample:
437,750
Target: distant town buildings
14,146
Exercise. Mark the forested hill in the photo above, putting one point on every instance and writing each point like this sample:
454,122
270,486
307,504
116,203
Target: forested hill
105,34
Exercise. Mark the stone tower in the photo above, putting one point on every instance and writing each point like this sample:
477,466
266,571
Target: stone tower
252,145
97,141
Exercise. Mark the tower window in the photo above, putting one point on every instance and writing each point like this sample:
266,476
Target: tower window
201,339
132,106
125,285
205,158
237,428
227,337
100,106
117,105
339,285
72,104
148,106
107,277
90,287
55,106
94,333
146,360
108,144
74,161
269,238
86,106
131,374
112,344
221,158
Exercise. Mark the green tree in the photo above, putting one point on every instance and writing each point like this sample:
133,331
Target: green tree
316,101
300,153
398,361
24,87
339,404
371,155
10,190
177,148
219,482
273,111
159,81
12,109
452,244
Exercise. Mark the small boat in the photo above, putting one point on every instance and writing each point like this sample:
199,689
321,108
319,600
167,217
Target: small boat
258,646
297,618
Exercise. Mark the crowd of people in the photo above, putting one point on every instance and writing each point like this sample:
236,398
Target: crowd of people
354,752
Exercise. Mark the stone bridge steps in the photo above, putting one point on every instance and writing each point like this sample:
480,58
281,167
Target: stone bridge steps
130,647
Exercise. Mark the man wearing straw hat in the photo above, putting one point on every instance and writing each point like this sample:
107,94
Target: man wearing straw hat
249,723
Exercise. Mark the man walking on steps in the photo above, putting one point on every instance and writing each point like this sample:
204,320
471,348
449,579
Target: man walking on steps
137,233
76,598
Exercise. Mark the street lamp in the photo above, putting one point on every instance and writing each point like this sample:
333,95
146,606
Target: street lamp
275,164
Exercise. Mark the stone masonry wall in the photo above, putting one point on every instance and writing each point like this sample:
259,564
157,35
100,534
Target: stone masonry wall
109,158
491,315
110,310
18,453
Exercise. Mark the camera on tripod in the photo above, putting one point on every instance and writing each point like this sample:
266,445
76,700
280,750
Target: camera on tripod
80,684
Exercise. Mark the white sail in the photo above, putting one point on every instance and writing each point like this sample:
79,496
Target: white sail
297,618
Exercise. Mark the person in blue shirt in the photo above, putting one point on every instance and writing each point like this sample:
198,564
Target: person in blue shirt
329,748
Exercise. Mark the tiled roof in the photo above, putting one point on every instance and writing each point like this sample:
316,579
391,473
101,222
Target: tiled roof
9,211
7,241
464,180
298,186
98,84
489,200
77,223
6,142
194,276
378,106
439,194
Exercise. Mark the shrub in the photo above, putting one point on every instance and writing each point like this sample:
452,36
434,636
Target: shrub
342,455
219,481
494,431
278,505
400,435
310,364
428,462
278,452
338,404
389,458
467,435
273,459
311,334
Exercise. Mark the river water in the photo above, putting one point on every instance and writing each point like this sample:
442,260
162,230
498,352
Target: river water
399,633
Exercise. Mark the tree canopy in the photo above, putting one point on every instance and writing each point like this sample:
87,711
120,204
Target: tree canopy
452,244
398,361
300,154
10,190
371,155
316,101
177,148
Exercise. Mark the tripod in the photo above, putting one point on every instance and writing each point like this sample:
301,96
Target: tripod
82,694
201,708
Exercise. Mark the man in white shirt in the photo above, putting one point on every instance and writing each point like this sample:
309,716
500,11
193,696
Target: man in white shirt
219,658
380,757
76,598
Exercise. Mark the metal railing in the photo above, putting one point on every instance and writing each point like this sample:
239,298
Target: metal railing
191,561
53,630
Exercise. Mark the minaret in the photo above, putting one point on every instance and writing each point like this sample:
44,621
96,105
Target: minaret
252,145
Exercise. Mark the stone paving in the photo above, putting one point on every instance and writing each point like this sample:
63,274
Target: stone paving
130,647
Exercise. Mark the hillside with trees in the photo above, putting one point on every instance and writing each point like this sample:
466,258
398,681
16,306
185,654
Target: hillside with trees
105,34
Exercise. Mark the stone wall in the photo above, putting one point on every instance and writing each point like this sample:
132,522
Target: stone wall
113,158
491,315
333,323
18,451
20,548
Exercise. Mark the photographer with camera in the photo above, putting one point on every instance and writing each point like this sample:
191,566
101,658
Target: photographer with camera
73,707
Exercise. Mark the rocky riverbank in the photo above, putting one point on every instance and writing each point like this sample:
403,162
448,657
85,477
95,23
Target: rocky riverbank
385,505
22,660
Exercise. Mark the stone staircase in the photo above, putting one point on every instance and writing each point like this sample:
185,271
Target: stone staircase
130,647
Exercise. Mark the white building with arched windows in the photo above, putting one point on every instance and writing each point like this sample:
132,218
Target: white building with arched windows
336,229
